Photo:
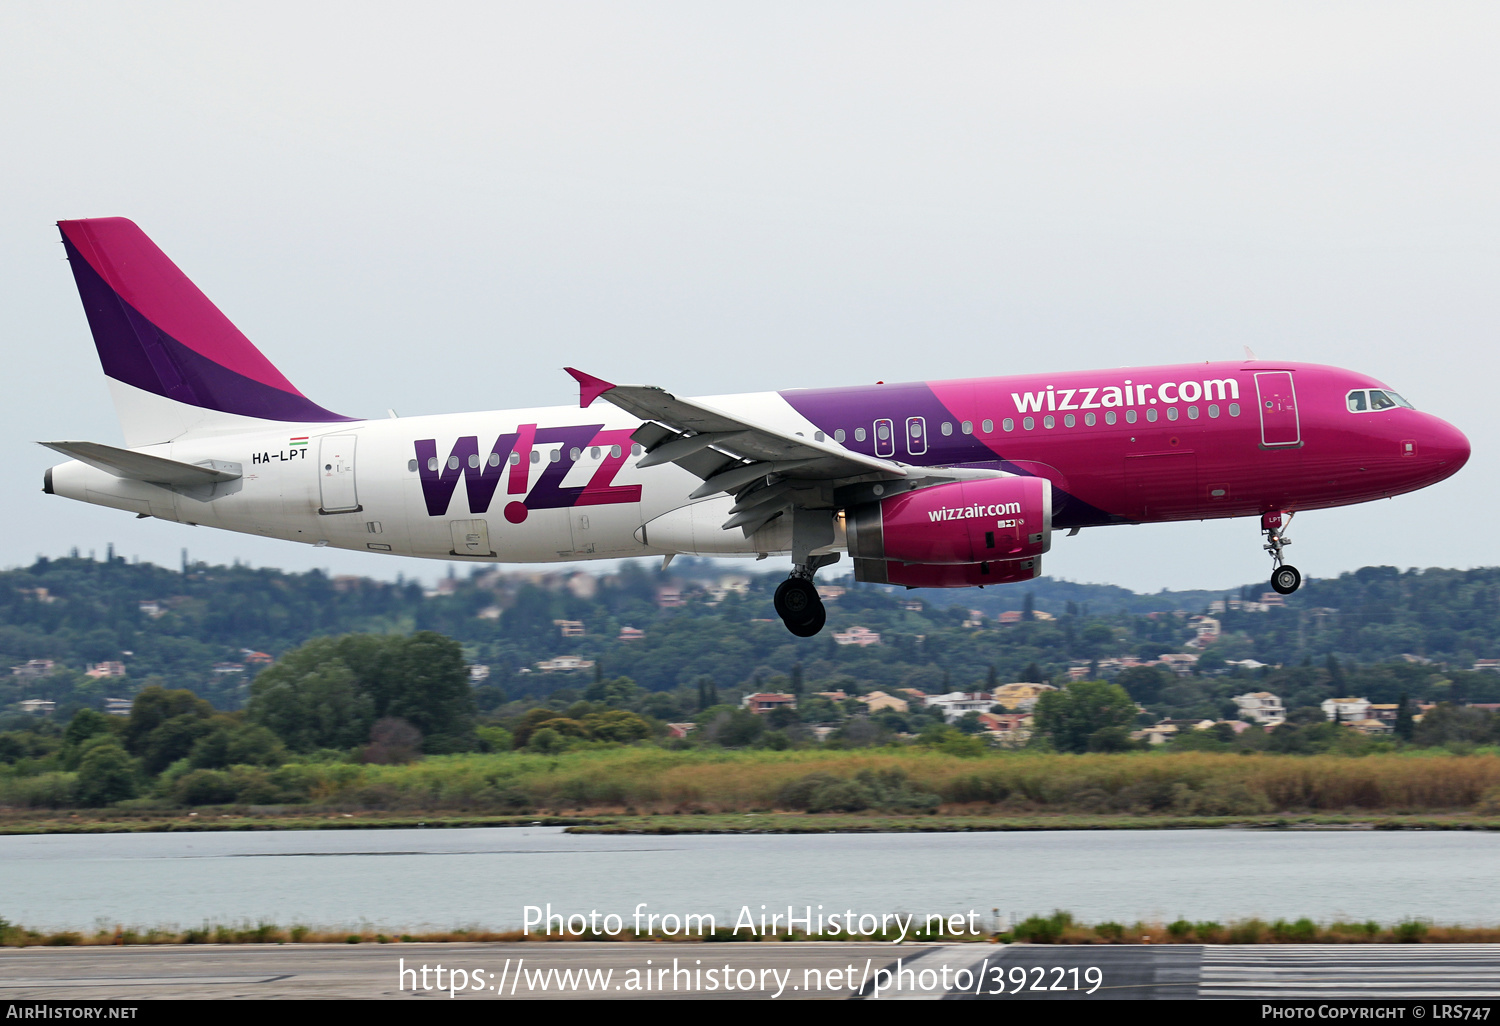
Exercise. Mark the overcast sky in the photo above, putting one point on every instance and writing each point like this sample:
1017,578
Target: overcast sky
435,207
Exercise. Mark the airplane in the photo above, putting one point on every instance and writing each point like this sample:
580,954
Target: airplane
932,484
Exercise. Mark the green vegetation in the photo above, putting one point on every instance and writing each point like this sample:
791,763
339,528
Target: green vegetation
1087,716
387,720
1334,637
900,780
1058,928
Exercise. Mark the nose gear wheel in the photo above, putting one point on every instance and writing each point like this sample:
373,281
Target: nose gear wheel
1285,578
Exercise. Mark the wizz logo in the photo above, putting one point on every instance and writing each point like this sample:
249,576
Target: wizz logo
510,459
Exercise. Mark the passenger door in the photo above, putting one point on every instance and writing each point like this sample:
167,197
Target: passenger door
1279,425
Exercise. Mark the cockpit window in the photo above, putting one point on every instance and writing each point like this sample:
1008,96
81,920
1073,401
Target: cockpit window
1365,401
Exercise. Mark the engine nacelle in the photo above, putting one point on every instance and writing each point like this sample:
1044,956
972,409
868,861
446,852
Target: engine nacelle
993,519
947,575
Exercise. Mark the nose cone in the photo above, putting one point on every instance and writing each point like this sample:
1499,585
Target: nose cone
1444,448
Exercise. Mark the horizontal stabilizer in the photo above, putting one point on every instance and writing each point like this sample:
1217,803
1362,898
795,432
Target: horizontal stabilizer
195,479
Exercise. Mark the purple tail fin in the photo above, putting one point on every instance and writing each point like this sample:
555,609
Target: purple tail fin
155,331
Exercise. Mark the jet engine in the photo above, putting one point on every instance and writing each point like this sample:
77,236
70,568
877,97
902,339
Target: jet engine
956,535
992,519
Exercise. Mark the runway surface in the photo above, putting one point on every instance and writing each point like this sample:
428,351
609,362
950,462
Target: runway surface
490,972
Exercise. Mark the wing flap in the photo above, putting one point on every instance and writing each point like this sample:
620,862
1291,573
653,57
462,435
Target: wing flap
726,450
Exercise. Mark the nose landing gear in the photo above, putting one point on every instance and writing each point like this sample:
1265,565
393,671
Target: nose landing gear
1285,578
797,601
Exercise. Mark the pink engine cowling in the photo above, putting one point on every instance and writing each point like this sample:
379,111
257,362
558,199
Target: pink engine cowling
964,522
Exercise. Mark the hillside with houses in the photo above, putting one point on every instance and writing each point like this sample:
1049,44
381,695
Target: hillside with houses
79,632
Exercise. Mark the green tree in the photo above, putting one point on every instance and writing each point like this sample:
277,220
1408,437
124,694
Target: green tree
238,745
617,692
165,725
1404,726
494,739
1144,683
85,725
329,692
106,773
616,725
311,700
733,728
1069,718
1446,723
422,679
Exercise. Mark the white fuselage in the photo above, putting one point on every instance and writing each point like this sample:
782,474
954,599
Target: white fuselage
366,485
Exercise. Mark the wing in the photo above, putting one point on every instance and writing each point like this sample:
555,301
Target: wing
765,468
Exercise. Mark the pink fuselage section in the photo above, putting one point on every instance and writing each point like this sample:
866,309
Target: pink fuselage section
1185,442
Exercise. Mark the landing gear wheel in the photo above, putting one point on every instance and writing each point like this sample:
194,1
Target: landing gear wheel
795,600
799,607
809,627
1286,579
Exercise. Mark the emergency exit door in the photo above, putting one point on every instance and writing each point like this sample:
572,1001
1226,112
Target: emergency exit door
337,493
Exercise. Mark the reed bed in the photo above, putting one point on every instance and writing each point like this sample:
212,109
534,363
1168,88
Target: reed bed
649,780
1057,928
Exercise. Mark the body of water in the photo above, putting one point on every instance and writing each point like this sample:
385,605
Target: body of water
443,879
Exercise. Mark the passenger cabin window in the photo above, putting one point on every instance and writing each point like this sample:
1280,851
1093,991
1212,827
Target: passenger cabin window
839,436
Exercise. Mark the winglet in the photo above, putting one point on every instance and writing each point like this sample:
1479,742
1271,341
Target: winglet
589,387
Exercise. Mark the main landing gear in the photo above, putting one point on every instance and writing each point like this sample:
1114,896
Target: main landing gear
797,601
1285,578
